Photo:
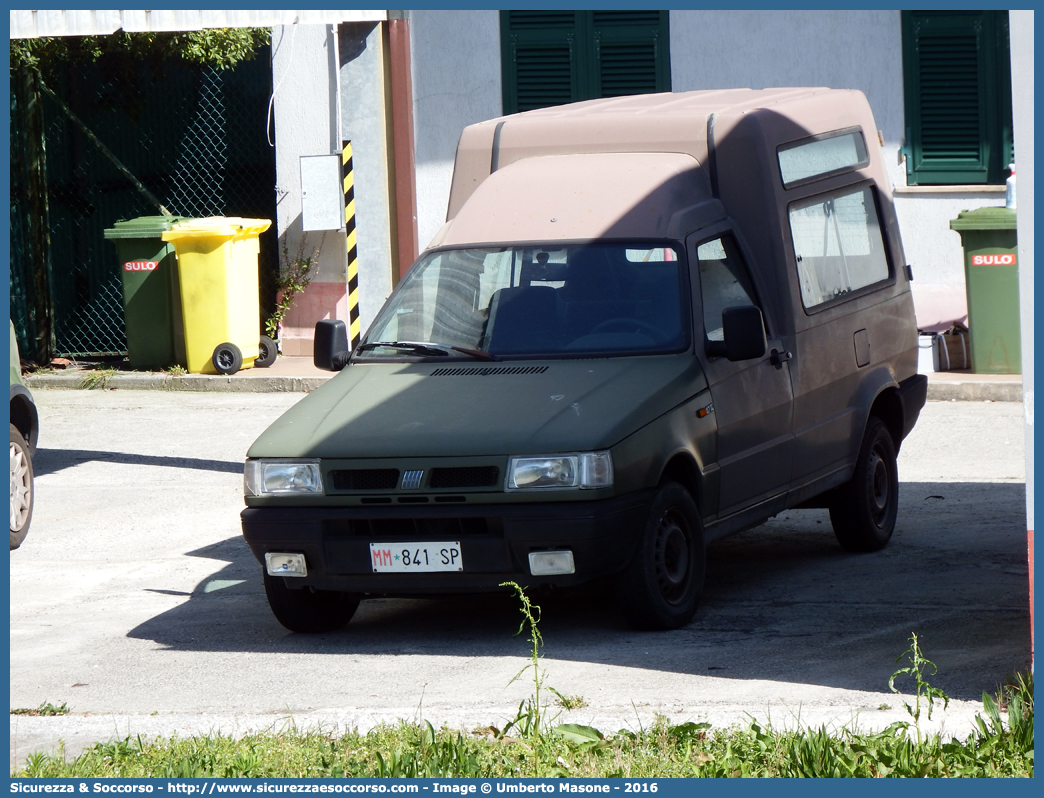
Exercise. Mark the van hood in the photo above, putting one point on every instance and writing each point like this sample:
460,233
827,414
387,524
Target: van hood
458,409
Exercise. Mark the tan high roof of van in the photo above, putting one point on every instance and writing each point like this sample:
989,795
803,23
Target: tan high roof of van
687,141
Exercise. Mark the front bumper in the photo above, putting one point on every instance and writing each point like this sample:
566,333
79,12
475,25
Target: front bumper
495,542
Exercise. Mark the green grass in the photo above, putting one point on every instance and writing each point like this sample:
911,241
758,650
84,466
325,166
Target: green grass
47,708
995,749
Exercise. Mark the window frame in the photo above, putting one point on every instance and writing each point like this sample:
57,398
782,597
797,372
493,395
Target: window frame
994,105
732,247
857,293
833,134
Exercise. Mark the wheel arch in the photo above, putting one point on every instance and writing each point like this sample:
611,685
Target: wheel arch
24,415
888,407
681,467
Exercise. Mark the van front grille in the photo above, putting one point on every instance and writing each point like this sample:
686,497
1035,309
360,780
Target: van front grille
473,477
365,479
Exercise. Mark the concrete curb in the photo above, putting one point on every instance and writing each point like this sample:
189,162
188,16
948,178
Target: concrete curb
187,382
970,391
974,391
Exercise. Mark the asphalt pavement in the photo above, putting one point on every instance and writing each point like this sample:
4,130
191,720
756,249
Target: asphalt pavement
135,601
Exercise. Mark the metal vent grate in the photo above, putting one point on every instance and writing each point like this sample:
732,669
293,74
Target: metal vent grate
488,371
473,477
366,479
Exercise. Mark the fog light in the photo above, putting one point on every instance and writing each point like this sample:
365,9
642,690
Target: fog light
280,564
546,563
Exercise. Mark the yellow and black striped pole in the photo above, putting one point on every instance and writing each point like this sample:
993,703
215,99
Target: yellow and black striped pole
353,250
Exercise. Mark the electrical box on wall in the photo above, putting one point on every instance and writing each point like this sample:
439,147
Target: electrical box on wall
322,196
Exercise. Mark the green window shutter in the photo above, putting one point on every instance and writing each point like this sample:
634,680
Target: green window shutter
957,84
555,57
631,50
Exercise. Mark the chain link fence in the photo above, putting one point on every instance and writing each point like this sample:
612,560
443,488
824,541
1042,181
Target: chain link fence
193,136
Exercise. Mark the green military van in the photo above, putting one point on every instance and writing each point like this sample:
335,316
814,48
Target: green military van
648,322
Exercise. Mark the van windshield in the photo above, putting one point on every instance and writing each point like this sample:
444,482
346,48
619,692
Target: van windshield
560,300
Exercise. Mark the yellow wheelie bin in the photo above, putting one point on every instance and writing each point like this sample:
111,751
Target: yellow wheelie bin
217,266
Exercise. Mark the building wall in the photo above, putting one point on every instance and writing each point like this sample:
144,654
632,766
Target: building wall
364,122
456,74
456,82
304,113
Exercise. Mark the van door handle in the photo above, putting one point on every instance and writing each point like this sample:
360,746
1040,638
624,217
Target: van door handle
778,358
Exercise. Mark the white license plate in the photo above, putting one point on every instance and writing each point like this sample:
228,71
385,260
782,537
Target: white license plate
415,557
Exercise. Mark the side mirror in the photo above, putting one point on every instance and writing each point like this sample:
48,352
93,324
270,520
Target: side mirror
744,332
330,349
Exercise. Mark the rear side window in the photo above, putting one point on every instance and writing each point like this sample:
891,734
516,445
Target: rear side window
822,156
837,245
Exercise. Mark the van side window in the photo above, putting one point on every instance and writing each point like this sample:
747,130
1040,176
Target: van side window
837,245
724,282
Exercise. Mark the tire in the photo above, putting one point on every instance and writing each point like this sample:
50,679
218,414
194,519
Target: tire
306,610
22,490
227,358
863,510
661,587
268,353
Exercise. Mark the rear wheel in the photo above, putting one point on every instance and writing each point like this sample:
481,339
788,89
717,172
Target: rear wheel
267,352
307,610
227,359
661,587
864,509
21,488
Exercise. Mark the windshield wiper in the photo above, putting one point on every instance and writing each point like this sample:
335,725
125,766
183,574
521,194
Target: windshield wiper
406,346
426,349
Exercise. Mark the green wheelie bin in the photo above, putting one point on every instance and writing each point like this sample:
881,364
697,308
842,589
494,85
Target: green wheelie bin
151,300
991,271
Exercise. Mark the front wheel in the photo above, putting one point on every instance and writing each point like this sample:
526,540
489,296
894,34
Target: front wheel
21,488
307,610
661,587
863,510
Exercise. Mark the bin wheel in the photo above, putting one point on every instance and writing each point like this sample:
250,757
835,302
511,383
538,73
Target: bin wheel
227,358
268,354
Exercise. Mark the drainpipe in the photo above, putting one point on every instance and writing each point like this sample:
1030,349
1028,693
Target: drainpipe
403,158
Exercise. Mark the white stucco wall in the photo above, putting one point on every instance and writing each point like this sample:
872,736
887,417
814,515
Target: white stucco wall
762,49
305,120
456,82
1023,106
364,122
304,125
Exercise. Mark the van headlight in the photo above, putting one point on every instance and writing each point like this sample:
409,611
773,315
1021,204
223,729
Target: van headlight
586,470
281,477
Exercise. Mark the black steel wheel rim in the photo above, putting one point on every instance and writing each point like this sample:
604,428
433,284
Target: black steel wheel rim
673,558
879,485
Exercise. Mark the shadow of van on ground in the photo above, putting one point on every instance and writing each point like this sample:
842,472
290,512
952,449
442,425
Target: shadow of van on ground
783,602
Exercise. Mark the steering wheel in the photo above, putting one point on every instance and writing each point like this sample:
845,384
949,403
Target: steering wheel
623,324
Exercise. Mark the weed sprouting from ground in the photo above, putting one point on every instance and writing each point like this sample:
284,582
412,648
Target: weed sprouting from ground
97,378
528,720
917,668
45,709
